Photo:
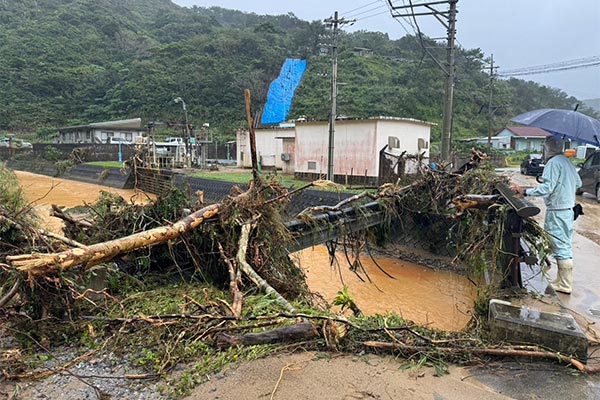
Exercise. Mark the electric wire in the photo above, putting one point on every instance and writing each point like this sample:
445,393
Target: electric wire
368,11
361,7
372,15
548,68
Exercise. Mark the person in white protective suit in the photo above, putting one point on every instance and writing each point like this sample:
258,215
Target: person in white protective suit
559,184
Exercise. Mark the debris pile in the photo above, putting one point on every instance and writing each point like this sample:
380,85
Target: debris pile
186,280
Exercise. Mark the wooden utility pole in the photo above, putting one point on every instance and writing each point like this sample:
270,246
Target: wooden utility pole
250,118
335,23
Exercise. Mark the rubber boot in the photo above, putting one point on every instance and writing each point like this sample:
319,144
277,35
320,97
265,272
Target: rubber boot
564,277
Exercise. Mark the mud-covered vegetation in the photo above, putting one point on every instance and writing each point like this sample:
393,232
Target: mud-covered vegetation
196,296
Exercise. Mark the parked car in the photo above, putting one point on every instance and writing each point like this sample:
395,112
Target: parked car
589,172
117,140
532,165
15,143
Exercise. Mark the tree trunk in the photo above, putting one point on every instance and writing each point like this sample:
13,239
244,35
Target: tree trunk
40,264
301,330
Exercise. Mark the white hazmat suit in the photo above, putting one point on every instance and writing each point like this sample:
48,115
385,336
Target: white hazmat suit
559,184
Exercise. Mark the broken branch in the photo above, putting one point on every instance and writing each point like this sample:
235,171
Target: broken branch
39,264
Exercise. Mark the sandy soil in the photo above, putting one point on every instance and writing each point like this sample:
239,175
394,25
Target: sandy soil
313,376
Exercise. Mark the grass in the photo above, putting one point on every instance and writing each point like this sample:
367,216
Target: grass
242,177
106,164
245,177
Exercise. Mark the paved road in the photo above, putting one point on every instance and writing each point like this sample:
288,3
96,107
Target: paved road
543,381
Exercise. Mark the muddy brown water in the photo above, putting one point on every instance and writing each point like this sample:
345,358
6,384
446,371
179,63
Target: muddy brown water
44,191
439,299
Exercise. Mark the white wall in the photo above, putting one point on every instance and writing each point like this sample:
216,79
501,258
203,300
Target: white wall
408,132
356,144
269,146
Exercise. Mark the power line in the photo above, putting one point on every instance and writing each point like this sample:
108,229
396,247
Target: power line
368,11
539,72
361,7
373,15
559,66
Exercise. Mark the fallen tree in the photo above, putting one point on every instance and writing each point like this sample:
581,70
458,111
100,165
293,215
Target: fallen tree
36,264
244,244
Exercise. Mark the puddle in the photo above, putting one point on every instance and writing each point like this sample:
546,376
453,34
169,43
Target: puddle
438,299
43,191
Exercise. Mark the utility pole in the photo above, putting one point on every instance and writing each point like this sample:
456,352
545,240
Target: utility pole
335,23
491,95
448,20
186,132
449,95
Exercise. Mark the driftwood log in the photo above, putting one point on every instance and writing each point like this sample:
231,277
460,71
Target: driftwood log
475,201
251,273
299,331
42,264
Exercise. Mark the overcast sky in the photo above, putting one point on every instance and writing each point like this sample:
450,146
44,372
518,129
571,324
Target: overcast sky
519,33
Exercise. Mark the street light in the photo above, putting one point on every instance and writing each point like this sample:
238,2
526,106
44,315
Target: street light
187,132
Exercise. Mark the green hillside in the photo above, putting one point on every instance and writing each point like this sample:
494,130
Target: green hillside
79,61
594,104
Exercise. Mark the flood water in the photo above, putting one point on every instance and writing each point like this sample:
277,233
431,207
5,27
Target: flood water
437,299
43,191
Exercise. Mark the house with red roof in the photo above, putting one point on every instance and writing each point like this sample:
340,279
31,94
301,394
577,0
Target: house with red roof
521,138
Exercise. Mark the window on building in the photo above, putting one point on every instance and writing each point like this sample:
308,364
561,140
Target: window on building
312,165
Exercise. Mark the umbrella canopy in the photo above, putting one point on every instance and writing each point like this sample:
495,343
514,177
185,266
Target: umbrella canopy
563,123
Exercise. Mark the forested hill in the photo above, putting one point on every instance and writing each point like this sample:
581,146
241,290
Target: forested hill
67,62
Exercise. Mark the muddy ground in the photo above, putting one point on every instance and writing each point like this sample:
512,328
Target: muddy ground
313,376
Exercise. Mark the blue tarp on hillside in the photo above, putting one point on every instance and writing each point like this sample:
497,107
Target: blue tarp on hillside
281,91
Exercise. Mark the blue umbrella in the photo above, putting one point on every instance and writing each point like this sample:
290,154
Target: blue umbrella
563,123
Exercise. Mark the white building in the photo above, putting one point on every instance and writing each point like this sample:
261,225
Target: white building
303,149
274,148
358,144
520,138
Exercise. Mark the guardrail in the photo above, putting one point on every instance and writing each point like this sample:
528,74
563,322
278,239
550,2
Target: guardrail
514,249
332,224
